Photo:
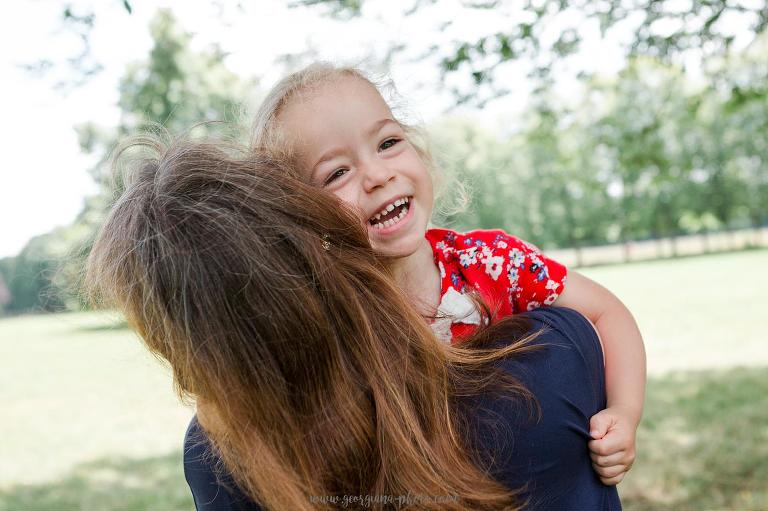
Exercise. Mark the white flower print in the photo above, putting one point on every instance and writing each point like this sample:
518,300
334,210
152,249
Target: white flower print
493,266
533,305
516,257
468,257
501,244
552,284
440,245
441,266
549,300
513,275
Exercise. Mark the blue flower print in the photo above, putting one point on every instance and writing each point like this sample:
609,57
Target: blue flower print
455,280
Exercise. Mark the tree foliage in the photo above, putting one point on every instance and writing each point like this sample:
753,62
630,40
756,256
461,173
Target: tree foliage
667,30
646,154
174,87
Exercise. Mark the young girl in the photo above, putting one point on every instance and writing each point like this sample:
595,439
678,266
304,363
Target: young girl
335,126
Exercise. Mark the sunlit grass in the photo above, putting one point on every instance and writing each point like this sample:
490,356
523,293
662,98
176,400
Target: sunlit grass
78,391
697,312
90,421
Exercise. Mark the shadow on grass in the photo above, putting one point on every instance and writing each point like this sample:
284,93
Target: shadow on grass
108,485
703,443
104,327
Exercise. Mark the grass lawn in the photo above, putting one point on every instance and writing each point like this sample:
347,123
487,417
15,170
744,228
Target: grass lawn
699,312
91,422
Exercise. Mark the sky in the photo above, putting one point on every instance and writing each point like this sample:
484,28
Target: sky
44,178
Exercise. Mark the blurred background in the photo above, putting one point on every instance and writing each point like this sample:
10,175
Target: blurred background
627,138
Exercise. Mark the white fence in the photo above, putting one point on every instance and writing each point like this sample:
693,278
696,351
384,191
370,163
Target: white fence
694,244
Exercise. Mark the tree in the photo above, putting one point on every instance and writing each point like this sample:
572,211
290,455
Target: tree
30,275
175,87
668,30
642,155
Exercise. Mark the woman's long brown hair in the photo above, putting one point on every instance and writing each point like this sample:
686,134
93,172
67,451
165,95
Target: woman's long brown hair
265,297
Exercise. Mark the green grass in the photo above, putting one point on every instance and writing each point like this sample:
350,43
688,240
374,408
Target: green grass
90,422
697,312
703,444
82,402
108,484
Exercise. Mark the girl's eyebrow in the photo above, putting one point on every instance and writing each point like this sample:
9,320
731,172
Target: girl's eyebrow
328,155
376,126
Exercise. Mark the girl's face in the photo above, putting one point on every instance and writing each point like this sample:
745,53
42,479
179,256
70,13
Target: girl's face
349,143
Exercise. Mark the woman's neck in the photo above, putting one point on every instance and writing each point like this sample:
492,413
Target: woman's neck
419,277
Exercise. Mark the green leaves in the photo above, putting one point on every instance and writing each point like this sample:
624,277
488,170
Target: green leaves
645,154
669,30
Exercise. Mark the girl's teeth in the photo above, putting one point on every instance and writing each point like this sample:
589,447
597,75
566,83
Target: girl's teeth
389,208
392,221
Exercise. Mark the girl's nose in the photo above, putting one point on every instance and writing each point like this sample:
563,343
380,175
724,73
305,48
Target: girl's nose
376,174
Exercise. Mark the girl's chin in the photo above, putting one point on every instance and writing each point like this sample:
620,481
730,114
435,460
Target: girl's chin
398,250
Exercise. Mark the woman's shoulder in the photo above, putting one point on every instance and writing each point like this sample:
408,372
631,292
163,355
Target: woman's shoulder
212,488
567,322
568,344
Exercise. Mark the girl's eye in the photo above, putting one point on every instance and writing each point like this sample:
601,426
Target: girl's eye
336,174
388,143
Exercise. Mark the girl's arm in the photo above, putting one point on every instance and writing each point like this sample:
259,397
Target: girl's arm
613,429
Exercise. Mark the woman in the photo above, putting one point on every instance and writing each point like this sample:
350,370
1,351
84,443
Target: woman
314,377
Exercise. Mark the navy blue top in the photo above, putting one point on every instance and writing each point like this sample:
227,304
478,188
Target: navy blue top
548,455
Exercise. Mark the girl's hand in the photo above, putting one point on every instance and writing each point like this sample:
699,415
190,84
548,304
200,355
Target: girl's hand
613,448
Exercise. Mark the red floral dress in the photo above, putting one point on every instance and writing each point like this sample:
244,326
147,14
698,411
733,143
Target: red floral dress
510,275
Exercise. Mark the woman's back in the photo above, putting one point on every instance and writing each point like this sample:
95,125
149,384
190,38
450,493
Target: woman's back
546,454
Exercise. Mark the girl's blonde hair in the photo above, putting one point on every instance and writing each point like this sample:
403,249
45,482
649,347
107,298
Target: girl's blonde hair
267,136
